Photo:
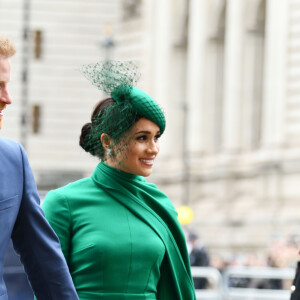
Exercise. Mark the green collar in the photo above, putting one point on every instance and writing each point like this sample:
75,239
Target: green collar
113,172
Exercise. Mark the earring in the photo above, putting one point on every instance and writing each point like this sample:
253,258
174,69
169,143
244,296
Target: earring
108,152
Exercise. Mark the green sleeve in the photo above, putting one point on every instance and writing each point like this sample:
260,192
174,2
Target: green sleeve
57,212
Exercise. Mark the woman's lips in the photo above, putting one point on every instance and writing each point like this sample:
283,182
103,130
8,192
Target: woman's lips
147,162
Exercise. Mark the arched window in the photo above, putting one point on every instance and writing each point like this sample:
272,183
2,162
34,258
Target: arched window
214,84
253,78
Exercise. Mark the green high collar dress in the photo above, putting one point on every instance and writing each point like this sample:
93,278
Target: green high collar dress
121,238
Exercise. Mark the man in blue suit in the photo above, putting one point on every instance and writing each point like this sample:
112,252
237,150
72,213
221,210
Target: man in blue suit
21,217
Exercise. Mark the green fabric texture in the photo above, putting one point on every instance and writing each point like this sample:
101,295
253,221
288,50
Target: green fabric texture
121,238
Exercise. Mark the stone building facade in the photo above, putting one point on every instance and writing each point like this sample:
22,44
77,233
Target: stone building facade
227,73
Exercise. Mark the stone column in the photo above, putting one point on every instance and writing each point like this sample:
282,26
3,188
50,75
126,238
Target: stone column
195,74
232,75
161,63
274,95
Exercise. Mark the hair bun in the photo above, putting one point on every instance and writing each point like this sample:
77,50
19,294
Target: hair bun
84,140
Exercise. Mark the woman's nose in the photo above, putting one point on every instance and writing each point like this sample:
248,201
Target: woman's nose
153,147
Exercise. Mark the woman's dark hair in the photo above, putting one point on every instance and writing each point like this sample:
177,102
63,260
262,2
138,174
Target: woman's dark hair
110,118
85,140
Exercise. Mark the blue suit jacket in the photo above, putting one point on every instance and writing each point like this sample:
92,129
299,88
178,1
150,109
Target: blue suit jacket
22,219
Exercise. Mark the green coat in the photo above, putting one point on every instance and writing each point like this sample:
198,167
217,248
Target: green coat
120,237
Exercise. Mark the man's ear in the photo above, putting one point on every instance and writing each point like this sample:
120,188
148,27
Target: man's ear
105,140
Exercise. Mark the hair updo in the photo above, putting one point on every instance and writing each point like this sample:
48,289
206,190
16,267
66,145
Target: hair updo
110,118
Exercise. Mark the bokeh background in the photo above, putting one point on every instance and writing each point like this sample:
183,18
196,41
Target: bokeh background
227,74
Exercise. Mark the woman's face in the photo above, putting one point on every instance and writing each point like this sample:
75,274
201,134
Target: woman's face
136,154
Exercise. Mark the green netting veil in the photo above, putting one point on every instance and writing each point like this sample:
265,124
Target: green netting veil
107,75
118,80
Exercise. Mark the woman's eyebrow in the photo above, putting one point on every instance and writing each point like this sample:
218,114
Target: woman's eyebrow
143,131
146,132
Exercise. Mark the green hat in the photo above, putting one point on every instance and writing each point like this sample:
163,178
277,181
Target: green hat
118,79
141,102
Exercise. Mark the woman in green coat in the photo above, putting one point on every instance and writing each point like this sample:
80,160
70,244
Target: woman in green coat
119,233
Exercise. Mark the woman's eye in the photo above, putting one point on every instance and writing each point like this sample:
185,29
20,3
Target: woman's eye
141,138
145,137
